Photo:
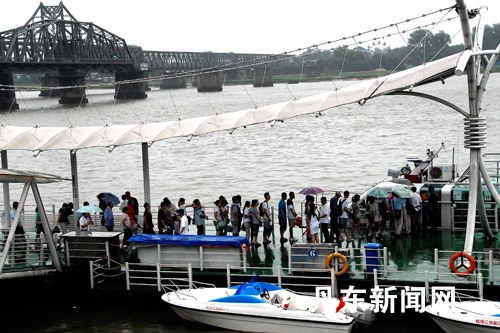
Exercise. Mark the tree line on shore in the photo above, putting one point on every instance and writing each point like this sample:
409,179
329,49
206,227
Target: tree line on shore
379,55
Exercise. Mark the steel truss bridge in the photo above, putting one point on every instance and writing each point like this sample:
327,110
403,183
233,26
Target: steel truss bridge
54,40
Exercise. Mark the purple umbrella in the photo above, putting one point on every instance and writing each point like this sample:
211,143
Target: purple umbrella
311,190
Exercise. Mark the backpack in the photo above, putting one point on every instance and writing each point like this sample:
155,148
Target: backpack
339,210
261,209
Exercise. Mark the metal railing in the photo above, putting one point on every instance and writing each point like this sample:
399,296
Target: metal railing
152,275
147,275
26,252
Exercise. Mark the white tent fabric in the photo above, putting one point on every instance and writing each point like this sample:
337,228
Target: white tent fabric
16,176
74,138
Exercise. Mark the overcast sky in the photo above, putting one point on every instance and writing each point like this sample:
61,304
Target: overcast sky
256,26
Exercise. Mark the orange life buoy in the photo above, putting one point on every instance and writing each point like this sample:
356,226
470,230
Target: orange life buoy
338,255
462,255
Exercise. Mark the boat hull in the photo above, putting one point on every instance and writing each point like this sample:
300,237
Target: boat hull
455,326
255,323
468,316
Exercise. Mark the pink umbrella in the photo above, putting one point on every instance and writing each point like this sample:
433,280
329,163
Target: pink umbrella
311,190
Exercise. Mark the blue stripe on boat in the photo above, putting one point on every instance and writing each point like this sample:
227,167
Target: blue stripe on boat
238,299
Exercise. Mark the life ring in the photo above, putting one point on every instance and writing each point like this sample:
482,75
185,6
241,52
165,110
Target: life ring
462,255
340,256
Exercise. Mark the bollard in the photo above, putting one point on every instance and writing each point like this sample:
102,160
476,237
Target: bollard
228,275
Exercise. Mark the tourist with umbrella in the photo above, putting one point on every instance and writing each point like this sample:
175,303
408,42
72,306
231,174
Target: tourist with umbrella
405,194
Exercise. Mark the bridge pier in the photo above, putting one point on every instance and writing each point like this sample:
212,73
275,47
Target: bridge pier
173,83
244,74
7,97
210,82
49,81
130,90
75,95
263,77
194,80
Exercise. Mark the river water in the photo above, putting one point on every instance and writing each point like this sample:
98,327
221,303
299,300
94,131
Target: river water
347,148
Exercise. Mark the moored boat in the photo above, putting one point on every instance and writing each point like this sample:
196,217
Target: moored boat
468,316
264,307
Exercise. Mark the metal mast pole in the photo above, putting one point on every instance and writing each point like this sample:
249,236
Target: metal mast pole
475,152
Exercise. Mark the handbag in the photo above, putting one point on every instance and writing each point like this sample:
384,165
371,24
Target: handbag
377,218
397,213
221,225
56,230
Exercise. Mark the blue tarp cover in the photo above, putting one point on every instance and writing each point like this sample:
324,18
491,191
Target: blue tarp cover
191,240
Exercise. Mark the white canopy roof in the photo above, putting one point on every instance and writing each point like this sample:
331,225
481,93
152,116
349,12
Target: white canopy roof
64,138
16,176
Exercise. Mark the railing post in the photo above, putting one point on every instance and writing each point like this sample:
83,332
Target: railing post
91,273
427,293
436,263
334,283
272,221
107,254
245,258
42,240
385,262
158,275
375,278
66,249
158,248
279,276
127,275
490,262
336,260
290,261
228,275
190,276
480,285
27,244
201,257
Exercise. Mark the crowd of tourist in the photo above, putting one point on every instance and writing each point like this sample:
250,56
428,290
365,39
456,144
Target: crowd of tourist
334,217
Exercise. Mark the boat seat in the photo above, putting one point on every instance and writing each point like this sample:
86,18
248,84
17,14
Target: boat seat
298,304
276,299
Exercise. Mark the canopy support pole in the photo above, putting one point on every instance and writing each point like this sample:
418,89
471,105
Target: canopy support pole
6,193
13,226
46,227
74,185
433,98
475,151
145,172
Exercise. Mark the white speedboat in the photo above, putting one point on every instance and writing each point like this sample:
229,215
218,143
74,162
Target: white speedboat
264,307
469,316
